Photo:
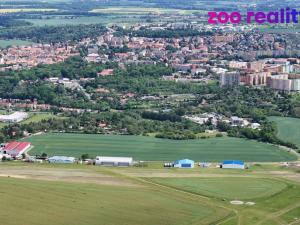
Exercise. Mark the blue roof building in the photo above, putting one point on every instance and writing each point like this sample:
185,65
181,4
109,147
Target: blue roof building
233,164
184,163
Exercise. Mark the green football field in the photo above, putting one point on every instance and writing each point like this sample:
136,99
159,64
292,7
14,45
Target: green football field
154,149
288,129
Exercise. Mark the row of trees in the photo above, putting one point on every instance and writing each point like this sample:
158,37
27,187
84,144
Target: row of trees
266,134
53,34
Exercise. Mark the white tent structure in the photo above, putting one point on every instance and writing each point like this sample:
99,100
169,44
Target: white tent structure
14,118
61,159
114,161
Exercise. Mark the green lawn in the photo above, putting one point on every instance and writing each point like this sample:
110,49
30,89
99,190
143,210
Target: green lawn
230,188
288,129
109,19
142,10
33,117
29,202
6,43
37,117
154,149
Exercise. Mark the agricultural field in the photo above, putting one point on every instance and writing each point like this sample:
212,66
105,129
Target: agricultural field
69,20
154,149
288,129
15,10
47,194
6,43
141,10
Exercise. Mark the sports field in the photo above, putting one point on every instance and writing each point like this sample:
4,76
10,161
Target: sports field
288,129
154,149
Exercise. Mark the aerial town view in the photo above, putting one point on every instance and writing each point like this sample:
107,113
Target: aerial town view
149,112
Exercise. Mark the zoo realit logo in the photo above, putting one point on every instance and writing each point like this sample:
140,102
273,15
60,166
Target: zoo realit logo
286,15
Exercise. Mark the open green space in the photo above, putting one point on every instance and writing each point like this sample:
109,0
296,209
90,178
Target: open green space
141,10
288,129
37,117
33,117
68,194
154,149
105,20
230,188
45,203
6,43
14,10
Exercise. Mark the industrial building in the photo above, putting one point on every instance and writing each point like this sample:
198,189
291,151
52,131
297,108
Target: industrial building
15,149
184,163
113,161
233,164
62,159
16,117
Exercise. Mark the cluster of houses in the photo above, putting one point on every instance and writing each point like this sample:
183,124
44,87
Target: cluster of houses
23,57
214,118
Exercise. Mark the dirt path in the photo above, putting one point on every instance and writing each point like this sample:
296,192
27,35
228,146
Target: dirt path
65,175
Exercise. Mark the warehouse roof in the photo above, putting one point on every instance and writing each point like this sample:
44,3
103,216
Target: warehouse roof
233,162
183,161
114,159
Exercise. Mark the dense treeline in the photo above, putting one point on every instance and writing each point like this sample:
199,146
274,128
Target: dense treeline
161,116
118,123
53,34
266,134
171,33
72,68
9,22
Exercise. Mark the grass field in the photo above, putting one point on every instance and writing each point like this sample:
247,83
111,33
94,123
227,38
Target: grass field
45,203
33,117
105,20
37,117
230,188
141,10
47,194
14,10
154,149
288,129
6,43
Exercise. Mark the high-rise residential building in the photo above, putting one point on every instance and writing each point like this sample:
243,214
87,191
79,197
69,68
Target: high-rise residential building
280,82
257,79
230,79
